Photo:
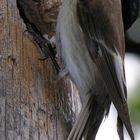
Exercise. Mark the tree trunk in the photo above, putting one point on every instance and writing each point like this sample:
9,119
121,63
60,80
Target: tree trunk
34,104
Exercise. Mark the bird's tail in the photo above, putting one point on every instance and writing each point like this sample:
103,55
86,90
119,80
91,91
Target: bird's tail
89,119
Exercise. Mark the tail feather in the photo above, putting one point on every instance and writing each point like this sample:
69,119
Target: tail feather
89,119
96,117
126,121
120,128
82,124
81,120
93,125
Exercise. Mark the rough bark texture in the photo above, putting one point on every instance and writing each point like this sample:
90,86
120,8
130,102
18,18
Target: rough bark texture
34,104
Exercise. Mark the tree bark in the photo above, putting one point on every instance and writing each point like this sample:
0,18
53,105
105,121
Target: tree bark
34,104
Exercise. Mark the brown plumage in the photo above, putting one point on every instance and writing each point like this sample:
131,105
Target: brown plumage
90,38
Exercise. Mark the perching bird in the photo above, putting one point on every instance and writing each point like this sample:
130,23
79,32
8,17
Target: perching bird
90,39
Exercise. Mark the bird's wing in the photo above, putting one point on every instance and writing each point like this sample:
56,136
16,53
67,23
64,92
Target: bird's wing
102,25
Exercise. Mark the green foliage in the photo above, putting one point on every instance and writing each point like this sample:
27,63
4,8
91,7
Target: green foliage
134,105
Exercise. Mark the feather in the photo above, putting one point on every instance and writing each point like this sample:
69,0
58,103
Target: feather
110,55
89,119
120,128
90,38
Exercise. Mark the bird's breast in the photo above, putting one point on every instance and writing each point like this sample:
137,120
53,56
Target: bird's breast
74,52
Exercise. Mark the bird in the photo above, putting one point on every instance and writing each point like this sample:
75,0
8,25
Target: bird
91,48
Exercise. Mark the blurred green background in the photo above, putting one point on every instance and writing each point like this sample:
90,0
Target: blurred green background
132,64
